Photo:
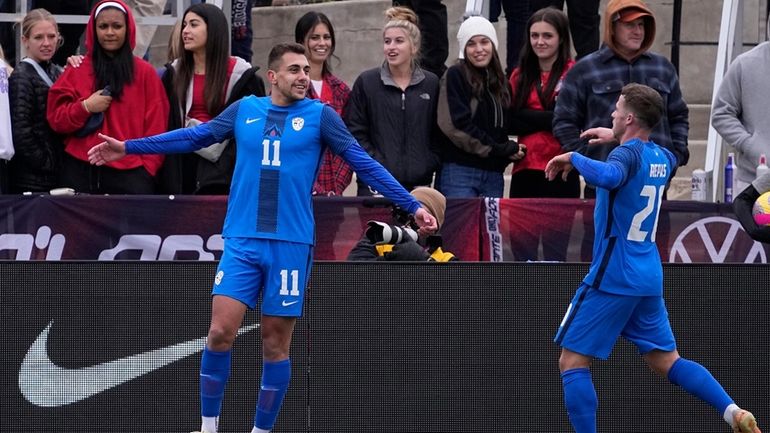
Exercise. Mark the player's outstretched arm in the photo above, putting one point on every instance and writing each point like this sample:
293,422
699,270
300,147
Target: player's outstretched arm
109,150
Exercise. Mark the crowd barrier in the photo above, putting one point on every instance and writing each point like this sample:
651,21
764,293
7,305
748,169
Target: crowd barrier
382,347
88,227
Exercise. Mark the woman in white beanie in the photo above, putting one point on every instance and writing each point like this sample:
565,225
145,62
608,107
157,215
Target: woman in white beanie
392,108
473,102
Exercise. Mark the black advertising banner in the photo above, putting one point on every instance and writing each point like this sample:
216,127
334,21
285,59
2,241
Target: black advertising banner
114,346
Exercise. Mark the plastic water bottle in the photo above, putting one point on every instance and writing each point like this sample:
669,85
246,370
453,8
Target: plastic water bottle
698,185
762,168
729,177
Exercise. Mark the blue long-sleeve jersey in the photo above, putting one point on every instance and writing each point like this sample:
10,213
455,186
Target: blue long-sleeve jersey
279,152
630,188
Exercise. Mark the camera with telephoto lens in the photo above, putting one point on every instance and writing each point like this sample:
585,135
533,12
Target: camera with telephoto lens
381,233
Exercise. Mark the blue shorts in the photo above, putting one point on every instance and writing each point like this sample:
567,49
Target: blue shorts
278,270
595,319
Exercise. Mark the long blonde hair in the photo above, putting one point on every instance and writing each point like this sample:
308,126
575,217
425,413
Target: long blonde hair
401,17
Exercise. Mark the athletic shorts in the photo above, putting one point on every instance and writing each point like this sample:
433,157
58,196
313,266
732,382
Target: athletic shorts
595,319
277,271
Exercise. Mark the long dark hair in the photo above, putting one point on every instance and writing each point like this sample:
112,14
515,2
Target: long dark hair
116,69
217,59
306,24
492,77
529,66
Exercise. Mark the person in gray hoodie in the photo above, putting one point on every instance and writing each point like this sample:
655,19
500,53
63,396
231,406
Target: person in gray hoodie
740,112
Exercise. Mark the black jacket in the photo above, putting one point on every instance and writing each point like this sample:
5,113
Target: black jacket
36,164
397,128
474,128
190,173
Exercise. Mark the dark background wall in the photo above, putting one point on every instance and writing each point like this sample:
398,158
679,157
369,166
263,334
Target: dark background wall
464,347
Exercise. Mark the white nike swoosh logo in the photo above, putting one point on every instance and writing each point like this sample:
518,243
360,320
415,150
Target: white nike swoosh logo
286,304
45,384
250,121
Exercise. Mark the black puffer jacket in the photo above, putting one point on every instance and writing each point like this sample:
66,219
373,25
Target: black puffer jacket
36,165
189,173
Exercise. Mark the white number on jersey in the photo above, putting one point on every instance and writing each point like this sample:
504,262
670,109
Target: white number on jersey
635,232
276,161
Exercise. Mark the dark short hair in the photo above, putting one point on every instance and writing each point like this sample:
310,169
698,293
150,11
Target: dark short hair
645,102
279,50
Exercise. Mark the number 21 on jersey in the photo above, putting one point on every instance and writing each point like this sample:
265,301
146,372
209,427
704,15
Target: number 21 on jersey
654,195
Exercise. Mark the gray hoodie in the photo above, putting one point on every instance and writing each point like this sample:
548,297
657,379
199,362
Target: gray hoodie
741,109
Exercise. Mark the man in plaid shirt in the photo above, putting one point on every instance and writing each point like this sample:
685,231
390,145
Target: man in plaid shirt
586,100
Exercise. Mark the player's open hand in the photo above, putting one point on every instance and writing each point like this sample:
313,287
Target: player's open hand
559,164
426,221
108,150
598,136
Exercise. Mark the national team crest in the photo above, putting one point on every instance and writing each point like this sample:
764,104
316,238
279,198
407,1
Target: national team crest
297,123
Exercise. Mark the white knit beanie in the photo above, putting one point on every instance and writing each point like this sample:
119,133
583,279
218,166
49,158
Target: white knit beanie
475,26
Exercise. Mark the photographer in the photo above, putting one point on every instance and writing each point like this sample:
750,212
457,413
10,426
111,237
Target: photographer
401,239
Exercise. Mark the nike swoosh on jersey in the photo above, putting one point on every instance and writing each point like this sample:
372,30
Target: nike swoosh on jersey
286,304
250,121
45,384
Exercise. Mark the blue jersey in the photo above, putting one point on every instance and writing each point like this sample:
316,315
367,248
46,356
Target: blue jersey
625,257
279,152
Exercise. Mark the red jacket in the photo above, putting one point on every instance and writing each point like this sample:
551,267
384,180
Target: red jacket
142,109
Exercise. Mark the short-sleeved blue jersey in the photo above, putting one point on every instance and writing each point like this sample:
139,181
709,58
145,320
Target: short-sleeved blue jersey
279,152
625,258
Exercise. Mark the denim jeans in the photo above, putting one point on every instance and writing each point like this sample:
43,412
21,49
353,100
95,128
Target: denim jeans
461,181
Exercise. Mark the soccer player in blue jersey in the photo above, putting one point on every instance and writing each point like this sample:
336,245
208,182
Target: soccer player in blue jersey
269,227
622,295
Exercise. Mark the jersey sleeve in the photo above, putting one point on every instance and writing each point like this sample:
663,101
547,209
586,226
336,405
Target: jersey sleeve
375,175
334,133
610,174
184,140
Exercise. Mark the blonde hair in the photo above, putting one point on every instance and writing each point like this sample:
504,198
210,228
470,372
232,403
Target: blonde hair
401,17
35,16
174,42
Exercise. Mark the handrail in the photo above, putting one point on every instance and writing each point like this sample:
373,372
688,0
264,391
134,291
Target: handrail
730,45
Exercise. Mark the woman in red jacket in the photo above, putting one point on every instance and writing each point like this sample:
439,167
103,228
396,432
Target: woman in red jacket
112,93
544,63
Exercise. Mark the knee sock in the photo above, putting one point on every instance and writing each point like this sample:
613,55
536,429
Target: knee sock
580,399
696,379
215,369
275,382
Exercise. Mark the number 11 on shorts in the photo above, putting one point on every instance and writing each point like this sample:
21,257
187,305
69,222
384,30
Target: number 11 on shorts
285,282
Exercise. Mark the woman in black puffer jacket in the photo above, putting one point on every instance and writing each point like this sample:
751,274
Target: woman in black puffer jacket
36,163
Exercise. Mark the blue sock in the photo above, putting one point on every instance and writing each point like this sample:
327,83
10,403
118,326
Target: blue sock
696,379
275,382
580,399
215,369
